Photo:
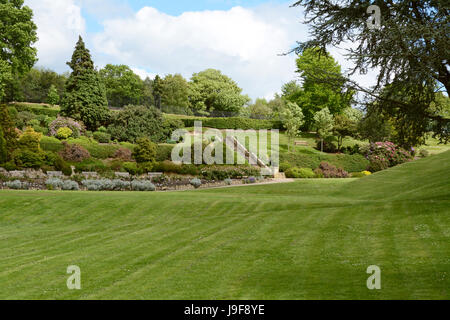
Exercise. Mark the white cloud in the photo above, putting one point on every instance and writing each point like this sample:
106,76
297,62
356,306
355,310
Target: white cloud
144,73
59,24
244,43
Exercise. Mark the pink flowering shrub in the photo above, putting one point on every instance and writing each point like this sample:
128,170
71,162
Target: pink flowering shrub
383,155
61,122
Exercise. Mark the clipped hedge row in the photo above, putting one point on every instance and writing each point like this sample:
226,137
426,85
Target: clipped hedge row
36,109
228,123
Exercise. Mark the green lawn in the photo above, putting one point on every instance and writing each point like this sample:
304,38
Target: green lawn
311,239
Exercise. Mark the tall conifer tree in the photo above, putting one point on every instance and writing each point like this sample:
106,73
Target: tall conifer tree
85,97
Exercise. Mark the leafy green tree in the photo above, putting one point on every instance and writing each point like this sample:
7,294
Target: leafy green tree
260,110
18,34
123,86
213,92
315,94
53,97
410,50
3,148
293,119
323,120
175,92
145,150
85,96
35,85
343,127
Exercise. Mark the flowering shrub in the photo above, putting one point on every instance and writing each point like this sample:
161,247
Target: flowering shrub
327,170
60,122
74,152
383,155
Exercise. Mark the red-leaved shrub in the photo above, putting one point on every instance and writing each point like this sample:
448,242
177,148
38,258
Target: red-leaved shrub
330,171
74,152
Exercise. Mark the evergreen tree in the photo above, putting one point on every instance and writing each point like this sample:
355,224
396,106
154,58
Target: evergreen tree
85,96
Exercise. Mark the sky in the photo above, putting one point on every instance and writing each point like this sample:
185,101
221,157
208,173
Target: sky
243,39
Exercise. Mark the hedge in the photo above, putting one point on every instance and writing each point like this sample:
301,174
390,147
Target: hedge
228,123
36,109
350,163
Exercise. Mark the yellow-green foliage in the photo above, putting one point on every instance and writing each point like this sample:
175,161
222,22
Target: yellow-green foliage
64,133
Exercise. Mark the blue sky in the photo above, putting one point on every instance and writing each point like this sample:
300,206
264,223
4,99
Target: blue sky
243,39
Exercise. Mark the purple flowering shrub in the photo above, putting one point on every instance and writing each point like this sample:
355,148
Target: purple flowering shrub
383,155
61,122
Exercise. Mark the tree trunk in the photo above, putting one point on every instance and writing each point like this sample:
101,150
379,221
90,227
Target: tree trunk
321,145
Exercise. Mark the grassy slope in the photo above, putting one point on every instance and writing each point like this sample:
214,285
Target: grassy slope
306,240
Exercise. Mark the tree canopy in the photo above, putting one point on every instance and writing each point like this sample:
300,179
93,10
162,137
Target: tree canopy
123,86
314,94
18,34
410,49
214,93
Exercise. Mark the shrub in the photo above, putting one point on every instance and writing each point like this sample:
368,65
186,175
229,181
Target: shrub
134,122
51,144
145,151
146,167
74,152
357,175
102,137
228,182
330,171
137,185
99,151
64,133
70,185
37,109
61,122
123,154
250,180
54,183
17,185
355,149
26,158
164,152
378,165
196,183
131,168
221,172
120,185
383,155
91,165
284,166
30,140
306,173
